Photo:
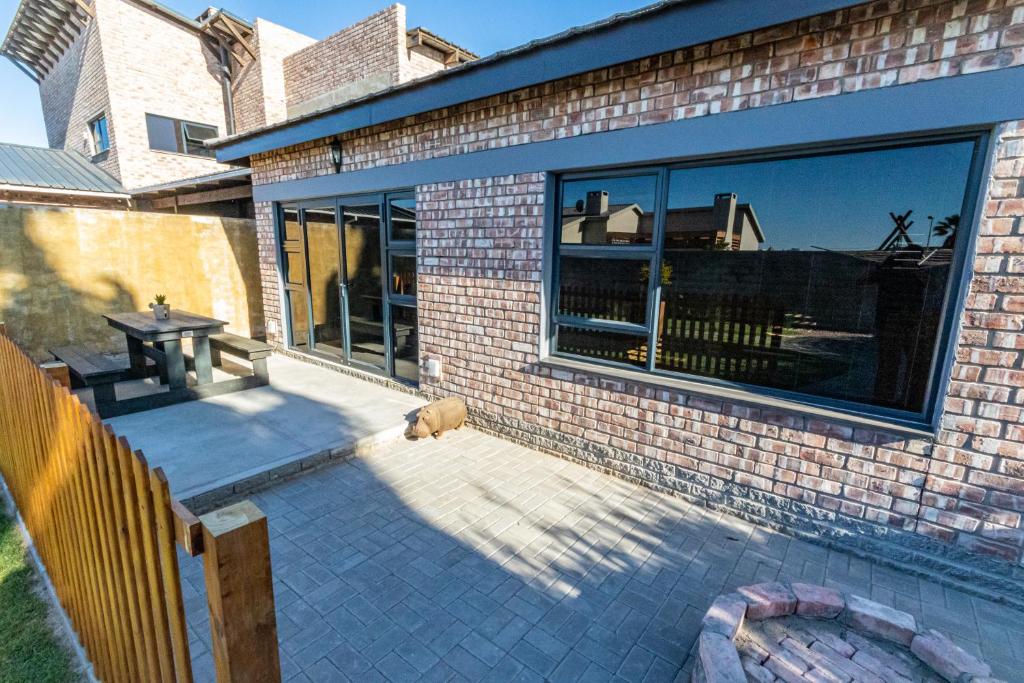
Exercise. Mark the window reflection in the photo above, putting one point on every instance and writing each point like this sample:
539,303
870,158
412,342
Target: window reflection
609,211
606,289
824,275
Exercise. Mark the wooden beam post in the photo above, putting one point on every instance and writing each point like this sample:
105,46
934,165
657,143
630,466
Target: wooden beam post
240,593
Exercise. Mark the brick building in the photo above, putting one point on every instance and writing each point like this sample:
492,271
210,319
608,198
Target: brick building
829,192
137,88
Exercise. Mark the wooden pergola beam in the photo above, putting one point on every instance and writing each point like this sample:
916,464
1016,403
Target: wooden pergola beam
204,197
238,36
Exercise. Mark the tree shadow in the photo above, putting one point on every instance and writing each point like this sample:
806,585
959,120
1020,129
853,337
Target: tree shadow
430,563
42,310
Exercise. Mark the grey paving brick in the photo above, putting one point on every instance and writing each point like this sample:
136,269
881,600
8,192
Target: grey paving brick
475,559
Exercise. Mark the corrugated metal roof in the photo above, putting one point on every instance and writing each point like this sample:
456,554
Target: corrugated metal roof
54,169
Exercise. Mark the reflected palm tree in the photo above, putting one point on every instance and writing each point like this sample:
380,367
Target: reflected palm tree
947,228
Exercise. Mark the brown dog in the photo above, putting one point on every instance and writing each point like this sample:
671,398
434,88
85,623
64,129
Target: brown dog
440,416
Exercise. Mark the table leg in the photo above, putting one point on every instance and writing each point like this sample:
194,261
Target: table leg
136,359
175,364
202,359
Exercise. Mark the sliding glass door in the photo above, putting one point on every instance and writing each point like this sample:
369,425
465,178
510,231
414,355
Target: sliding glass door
349,267
362,294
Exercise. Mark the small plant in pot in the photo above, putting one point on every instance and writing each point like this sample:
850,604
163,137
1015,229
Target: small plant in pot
161,310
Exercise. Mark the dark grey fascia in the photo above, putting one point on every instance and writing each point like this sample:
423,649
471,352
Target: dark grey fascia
983,99
651,33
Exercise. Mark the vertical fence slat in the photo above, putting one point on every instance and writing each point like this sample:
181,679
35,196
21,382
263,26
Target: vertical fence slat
124,544
147,628
154,577
171,574
117,587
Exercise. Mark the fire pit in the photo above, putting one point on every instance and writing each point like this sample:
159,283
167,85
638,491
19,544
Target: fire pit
803,633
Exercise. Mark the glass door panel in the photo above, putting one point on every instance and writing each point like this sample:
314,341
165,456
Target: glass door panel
324,256
403,274
403,219
363,290
404,343
295,277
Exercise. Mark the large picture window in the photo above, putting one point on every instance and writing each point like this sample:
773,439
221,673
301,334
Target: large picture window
825,276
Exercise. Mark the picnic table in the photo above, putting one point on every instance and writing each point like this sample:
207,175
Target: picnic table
166,338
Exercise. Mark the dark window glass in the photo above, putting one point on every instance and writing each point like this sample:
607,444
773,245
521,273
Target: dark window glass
404,343
403,274
606,289
184,137
403,219
608,211
195,136
163,133
100,135
823,274
630,349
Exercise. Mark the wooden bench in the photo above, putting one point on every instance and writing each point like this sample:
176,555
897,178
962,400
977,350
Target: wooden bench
256,352
93,370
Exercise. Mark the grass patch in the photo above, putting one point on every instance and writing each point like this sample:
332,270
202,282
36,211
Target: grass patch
29,652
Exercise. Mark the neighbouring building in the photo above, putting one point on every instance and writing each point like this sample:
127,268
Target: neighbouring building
769,256
137,88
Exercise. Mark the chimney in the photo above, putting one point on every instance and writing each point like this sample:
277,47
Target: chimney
597,203
723,217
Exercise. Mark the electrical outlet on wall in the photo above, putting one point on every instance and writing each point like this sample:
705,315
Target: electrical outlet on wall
433,368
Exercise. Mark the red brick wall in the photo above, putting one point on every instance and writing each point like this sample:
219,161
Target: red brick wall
366,51
480,284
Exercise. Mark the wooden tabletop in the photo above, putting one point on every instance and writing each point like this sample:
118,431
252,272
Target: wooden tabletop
144,325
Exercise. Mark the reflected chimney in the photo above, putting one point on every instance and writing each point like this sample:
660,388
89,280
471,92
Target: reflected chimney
723,217
597,203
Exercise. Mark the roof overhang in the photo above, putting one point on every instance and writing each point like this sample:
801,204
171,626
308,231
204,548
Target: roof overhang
41,31
663,27
57,192
453,54
215,187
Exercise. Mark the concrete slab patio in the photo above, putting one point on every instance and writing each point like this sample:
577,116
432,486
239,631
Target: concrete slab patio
472,558
209,445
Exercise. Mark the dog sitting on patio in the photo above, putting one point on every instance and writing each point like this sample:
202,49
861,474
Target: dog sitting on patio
438,417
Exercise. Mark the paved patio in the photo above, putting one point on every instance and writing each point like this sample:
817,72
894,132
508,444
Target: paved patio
471,558
213,443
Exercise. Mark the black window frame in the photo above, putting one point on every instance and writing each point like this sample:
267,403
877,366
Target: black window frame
952,306
182,138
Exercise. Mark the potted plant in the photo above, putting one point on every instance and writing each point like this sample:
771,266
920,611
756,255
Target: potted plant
161,310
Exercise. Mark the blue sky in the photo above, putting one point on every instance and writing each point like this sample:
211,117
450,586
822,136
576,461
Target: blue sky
483,27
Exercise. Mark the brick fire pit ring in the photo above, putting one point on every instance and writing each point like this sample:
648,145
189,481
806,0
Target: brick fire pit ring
804,633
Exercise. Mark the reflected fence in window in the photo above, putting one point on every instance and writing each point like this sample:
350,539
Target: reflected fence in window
826,275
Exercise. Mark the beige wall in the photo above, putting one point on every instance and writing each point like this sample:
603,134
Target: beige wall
61,269
259,88
156,66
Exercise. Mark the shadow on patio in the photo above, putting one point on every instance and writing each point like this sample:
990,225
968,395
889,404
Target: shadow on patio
471,558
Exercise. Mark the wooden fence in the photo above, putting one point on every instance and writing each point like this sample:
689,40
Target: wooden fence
107,530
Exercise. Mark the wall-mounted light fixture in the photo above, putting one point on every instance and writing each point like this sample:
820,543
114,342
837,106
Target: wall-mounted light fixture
336,154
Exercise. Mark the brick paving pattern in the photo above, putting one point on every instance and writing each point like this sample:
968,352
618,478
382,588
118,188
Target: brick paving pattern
472,558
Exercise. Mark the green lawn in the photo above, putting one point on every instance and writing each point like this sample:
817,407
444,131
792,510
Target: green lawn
28,650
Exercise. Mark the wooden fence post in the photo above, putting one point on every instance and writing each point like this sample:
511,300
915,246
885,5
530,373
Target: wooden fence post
240,592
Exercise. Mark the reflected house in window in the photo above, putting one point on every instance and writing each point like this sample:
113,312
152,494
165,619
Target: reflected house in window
725,225
595,221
